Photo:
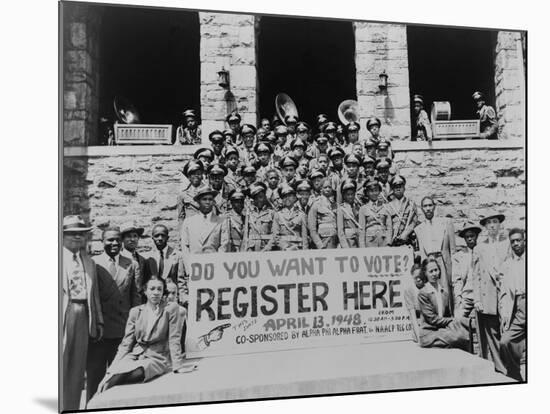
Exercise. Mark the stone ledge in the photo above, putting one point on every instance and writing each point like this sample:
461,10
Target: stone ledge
397,145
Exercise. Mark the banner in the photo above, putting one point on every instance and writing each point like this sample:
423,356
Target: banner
256,302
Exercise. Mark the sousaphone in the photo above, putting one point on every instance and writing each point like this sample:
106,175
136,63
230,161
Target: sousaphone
284,105
125,111
348,111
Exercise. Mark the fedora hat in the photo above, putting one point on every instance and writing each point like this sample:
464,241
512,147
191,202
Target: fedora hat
75,224
205,190
500,218
469,226
130,227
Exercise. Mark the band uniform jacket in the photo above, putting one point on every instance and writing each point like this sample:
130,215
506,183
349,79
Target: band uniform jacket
403,217
512,284
322,223
232,178
232,232
247,155
186,136
117,292
173,269
221,201
200,234
274,198
347,218
155,347
186,205
93,303
488,125
374,224
292,225
259,229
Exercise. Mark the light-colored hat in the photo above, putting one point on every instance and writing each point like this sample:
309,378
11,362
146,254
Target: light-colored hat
75,224
130,227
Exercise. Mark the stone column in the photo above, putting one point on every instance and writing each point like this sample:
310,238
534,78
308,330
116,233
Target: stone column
380,47
228,41
81,74
510,85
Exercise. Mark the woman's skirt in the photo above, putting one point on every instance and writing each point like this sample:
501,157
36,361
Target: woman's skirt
454,335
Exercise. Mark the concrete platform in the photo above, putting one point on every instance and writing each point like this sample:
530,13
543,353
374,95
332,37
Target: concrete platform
373,367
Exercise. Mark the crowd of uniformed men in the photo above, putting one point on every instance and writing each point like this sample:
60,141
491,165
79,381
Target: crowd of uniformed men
288,185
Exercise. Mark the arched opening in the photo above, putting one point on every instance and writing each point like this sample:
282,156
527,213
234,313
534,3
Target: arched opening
151,57
311,60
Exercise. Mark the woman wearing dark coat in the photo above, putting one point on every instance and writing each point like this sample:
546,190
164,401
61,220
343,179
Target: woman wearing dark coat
438,329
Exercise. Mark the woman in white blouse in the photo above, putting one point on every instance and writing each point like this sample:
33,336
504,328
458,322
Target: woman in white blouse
151,344
438,328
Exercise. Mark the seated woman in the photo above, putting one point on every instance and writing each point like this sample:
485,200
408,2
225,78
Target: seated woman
438,328
151,344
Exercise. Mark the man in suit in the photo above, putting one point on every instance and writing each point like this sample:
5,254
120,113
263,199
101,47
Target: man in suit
166,262
202,232
495,246
131,233
485,283
118,293
82,317
512,307
436,238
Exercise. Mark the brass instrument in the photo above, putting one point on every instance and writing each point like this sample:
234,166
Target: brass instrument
125,111
284,106
348,111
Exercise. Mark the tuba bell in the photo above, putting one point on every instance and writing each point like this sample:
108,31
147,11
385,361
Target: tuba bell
348,111
284,106
125,111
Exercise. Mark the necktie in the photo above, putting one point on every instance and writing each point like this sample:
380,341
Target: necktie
161,263
112,267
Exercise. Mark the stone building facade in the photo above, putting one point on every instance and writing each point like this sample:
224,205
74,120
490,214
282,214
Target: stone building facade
110,185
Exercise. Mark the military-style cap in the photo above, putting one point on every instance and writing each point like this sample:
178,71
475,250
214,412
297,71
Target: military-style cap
216,136
369,143
291,118
353,126
204,190
230,149
285,190
348,184
217,169
372,182
316,173
321,119
233,117
262,147
383,144
257,188
228,132
248,169
236,194
204,152
248,129
192,166
303,185
298,142
336,151
302,127
373,121
321,138
352,159
288,161
329,127
189,113
484,220
368,160
281,130
397,180
340,129
382,163
271,137
469,226
261,131
419,99
477,96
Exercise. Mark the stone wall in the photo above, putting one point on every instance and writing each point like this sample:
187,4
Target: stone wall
510,85
466,185
383,47
80,74
228,41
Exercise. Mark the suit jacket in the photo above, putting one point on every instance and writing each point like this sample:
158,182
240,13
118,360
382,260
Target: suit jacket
463,274
142,270
93,302
173,269
201,236
429,310
448,246
512,283
117,292
485,281
159,343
